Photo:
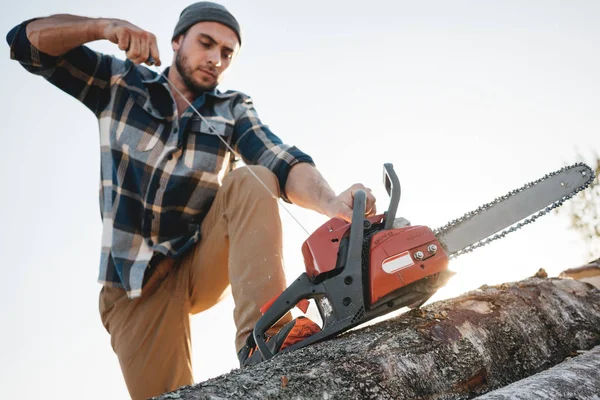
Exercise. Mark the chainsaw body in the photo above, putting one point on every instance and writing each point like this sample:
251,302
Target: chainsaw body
361,270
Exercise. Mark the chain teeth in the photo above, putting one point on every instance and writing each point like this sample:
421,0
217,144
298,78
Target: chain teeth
452,224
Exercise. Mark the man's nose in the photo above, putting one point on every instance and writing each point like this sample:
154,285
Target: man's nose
214,58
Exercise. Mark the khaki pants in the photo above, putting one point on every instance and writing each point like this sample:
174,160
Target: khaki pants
241,246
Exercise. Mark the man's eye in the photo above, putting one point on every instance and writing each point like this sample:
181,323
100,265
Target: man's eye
205,44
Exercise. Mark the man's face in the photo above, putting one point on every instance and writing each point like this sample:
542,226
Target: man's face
203,54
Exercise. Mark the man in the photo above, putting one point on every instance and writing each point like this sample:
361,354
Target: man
179,226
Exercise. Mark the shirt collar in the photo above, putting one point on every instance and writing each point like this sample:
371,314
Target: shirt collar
157,78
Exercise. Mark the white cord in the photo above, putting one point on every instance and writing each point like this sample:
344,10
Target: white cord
230,148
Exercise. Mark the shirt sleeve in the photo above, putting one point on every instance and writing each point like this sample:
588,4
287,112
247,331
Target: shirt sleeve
81,72
257,145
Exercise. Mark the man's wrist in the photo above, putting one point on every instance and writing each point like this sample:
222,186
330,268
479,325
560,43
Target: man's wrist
328,205
98,26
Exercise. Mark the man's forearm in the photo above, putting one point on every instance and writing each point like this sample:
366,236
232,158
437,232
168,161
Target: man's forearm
57,34
307,188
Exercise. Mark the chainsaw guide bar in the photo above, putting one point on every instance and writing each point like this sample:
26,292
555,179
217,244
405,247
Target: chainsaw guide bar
514,210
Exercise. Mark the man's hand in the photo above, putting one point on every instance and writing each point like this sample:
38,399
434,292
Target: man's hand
307,188
138,43
341,206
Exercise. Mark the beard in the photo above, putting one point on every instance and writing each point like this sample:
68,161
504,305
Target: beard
186,72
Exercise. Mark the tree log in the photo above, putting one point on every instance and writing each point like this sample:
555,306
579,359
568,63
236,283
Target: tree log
589,273
577,378
452,349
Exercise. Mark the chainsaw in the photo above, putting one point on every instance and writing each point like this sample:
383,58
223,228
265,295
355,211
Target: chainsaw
374,265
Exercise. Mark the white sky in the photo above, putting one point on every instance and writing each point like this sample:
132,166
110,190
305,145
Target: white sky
467,99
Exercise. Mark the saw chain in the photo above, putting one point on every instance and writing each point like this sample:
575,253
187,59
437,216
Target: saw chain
457,222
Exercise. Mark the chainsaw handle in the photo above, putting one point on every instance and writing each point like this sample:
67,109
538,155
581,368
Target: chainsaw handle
356,228
392,185
301,288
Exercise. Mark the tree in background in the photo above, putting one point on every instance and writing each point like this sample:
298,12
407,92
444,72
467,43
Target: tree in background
583,211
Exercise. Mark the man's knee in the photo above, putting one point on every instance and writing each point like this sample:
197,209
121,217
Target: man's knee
254,180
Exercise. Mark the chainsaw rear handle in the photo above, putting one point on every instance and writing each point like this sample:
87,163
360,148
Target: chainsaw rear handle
302,288
392,185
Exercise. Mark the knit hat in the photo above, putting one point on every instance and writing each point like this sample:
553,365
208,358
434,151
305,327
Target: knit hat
206,11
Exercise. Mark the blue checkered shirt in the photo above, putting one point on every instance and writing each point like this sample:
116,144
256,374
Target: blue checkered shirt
159,171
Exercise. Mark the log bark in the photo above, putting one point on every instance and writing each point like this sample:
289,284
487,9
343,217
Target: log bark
452,349
577,378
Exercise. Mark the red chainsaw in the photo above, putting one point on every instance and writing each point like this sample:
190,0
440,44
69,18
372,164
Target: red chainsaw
364,269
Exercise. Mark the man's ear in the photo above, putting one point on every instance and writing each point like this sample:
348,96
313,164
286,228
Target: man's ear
176,43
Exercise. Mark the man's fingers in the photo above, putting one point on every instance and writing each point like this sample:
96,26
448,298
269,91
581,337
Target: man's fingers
144,50
344,203
134,51
154,51
371,211
371,207
370,198
123,38
139,45
346,214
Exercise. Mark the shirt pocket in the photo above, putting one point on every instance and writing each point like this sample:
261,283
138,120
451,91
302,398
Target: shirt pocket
205,150
139,127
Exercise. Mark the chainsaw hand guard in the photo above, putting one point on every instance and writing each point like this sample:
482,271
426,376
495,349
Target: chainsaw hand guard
336,311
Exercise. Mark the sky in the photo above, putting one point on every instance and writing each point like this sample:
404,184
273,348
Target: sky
468,100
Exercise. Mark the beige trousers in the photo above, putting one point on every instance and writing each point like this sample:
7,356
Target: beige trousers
241,246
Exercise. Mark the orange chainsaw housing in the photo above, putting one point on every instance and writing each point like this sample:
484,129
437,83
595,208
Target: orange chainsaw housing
392,259
392,262
320,250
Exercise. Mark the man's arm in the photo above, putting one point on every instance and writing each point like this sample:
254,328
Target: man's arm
307,188
299,181
57,34
52,47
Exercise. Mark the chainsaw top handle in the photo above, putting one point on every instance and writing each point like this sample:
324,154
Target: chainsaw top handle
392,185
304,288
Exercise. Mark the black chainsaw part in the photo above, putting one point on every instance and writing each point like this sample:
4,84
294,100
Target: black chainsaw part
340,298
392,185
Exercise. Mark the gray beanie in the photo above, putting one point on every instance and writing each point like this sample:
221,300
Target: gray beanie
206,11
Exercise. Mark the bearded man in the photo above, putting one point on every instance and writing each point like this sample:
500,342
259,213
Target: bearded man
180,225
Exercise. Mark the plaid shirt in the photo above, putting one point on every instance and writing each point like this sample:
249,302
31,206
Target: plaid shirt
159,171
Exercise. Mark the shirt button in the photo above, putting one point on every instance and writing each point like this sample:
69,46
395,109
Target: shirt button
175,130
170,156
